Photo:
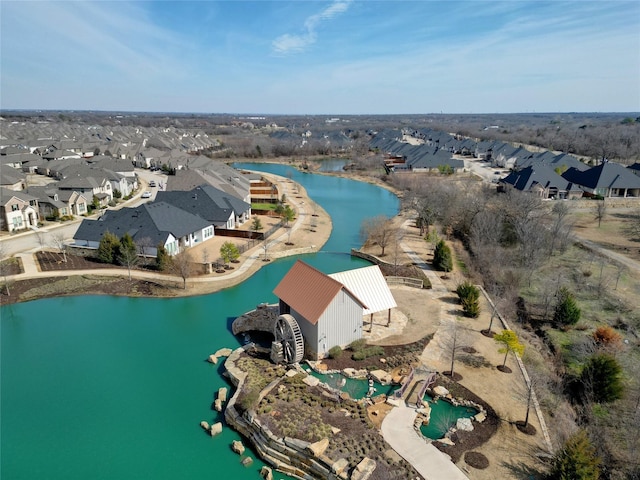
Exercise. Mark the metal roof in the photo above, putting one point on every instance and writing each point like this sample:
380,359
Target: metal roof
369,285
309,291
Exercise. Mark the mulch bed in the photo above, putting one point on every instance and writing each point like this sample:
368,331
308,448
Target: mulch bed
12,266
504,369
476,460
394,355
527,430
482,432
52,261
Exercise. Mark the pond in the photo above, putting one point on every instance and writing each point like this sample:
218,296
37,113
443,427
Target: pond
444,415
115,388
357,388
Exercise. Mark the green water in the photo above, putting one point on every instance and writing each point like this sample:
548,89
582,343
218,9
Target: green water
443,416
355,387
97,387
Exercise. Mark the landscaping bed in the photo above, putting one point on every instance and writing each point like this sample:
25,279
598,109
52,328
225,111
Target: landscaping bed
36,288
394,356
294,409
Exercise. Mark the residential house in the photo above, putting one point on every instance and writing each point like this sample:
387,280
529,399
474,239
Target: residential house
19,210
150,225
12,179
607,180
542,181
90,182
53,202
222,209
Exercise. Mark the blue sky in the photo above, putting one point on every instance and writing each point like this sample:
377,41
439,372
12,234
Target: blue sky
321,57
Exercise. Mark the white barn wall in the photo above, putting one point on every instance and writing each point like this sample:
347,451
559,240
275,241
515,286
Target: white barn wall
340,324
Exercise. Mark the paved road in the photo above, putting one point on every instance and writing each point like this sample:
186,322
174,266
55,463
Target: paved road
30,240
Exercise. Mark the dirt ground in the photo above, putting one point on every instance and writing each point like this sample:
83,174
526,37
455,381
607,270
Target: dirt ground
511,453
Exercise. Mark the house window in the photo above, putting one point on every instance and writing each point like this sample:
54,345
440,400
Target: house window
15,207
17,222
208,232
81,207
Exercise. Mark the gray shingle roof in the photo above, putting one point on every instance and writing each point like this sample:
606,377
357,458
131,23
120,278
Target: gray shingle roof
605,175
154,220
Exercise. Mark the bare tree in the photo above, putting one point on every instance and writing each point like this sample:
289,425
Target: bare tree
454,340
378,230
57,241
560,229
205,260
632,228
42,239
144,244
600,211
182,266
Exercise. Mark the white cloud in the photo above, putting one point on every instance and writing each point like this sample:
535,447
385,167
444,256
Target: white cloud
291,43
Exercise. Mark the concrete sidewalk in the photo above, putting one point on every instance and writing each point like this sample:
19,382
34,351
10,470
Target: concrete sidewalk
431,463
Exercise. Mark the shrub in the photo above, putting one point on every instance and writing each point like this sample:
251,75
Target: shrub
358,344
566,311
471,307
467,290
248,400
368,352
606,336
577,460
335,352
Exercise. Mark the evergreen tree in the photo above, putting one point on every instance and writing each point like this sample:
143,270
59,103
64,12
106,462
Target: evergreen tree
601,378
442,259
469,296
566,311
108,248
577,460
163,260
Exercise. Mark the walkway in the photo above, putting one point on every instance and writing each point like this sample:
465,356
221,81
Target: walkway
431,463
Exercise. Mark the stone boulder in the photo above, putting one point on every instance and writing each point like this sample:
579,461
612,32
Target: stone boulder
381,376
213,359
441,391
266,473
223,352
319,447
311,380
247,461
340,466
204,425
222,394
480,417
215,429
237,447
464,424
364,469
217,404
